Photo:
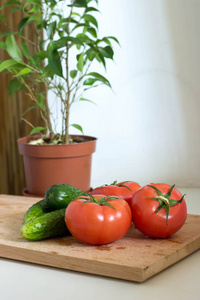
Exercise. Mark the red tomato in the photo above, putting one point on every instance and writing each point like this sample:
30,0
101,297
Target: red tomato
97,219
159,210
124,190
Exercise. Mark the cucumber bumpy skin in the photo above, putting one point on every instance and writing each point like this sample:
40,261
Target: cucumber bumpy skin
60,195
49,225
36,210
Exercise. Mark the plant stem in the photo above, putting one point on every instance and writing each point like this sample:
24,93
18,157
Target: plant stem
47,111
68,93
39,35
67,101
34,99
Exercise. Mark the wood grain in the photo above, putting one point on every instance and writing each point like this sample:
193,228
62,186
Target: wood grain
12,178
134,257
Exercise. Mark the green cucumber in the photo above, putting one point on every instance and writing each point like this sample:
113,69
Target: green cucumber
36,210
60,195
49,225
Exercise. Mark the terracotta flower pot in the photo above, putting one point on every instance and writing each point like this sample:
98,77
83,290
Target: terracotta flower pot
46,165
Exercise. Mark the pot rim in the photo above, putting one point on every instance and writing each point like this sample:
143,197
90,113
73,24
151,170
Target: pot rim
59,151
28,138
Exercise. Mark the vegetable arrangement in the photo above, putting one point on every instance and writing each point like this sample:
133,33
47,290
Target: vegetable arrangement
105,215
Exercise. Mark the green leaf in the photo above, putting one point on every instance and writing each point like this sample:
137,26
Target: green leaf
12,48
91,54
2,18
91,9
90,19
34,18
23,72
22,23
41,97
100,58
84,99
7,64
36,2
13,9
65,21
62,42
79,25
37,129
27,20
79,3
51,29
41,55
73,73
12,2
76,14
113,38
28,109
2,45
43,23
6,34
80,63
84,38
25,49
100,77
78,127
34,9
106,40
55,63
92,31
90,81
107,52
14,85
47,72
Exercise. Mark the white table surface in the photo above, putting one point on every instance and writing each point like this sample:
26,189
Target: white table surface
19,280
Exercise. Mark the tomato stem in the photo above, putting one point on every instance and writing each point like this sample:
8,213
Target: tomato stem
164,199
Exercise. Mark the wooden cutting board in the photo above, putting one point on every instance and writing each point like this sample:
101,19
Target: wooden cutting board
134,257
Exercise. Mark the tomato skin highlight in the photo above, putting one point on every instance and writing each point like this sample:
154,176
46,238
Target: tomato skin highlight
153,224
96,224
118,190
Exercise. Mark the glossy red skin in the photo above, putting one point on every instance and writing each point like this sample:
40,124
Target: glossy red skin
98,224
118,191
154,224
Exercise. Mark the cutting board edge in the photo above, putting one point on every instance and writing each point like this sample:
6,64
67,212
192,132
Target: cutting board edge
171,259
95,267
73,264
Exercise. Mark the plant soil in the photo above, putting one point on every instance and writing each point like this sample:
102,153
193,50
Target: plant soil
57,140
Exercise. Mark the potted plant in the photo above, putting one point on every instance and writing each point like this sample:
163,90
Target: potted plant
67,45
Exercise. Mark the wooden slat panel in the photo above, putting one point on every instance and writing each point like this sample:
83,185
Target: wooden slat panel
12,180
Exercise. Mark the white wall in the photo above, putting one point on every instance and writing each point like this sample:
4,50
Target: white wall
148,126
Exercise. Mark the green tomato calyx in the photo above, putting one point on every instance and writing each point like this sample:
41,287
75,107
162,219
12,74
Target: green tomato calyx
165,200
114,183
102,201
122,184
